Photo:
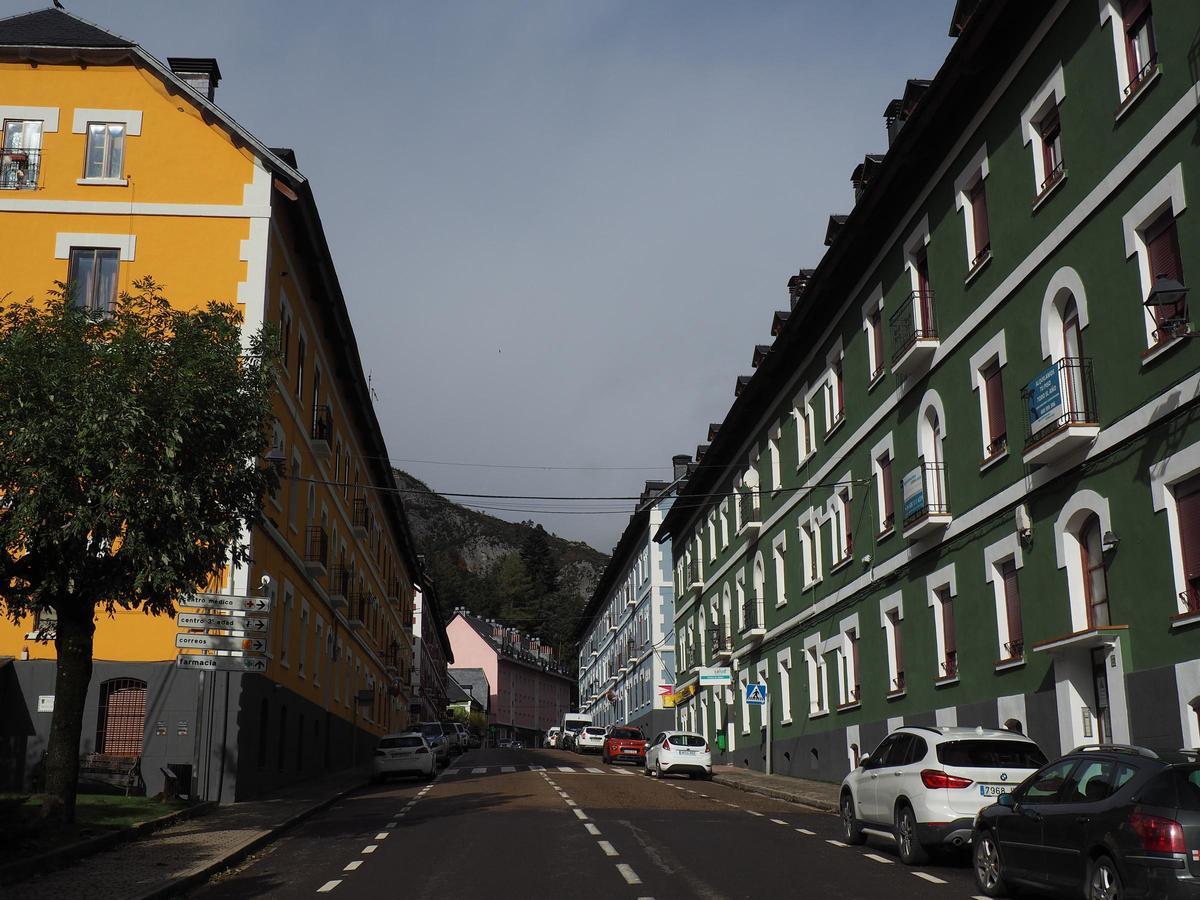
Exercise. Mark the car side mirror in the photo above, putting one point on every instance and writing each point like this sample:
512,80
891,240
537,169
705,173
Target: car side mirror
865,761
1006,800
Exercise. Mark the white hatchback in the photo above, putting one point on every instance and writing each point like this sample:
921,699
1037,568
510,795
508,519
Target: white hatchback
923,785
679,753
590,739
402,754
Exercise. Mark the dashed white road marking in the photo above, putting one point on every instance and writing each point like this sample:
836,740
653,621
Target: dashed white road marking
370,848
591,829
806,831
753,813
580,813
836,843
390,825
451,771
328,886
779,821
350,867
381,835
479,770
932,879
878,858
571,803
608,848
627,872
507,769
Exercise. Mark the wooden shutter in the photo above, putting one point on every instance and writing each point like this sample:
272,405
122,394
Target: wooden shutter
898,636
994,387
885,481
1132,12
979,216
1162,248
1012,603
1187,505
948,629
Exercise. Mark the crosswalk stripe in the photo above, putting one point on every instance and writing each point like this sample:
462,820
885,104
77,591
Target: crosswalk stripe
482,770
537,768
595,771
565,769
328,886
451,772
507,769
623,771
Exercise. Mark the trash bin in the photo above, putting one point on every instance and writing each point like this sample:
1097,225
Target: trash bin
721,741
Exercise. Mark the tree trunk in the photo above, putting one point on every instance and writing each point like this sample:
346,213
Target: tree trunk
73,640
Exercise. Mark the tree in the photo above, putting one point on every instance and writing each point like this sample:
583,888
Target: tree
128,469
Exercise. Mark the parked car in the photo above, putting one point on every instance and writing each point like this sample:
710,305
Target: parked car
679,753
517,745
567,739
474,741
1112,820
923,785
590,739
402,754
464,736
552,736
438,739
624,742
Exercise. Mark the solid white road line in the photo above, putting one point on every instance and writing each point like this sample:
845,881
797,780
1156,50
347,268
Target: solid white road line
932,879
370,848
628,873
580,813
878,858
779,821
837,843
806,831
381,835
350,867
608,848
328,886
480,770
591,829
507,769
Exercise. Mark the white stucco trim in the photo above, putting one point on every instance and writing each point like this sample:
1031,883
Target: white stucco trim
1187,682
1110,14
1006,548
993,349
1048,96
126,209
894,722
1012,707
1065,281
47,115
130,118
975,170
1066,546
946,717
65,240
1166,195
1164,475
914,245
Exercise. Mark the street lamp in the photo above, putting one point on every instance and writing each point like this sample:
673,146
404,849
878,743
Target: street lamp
1166,292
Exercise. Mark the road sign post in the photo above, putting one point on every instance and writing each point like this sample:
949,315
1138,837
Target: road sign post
756,695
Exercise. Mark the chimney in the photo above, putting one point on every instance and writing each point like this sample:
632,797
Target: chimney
679,465
200,73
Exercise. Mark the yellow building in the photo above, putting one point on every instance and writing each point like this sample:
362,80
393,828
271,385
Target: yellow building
114,166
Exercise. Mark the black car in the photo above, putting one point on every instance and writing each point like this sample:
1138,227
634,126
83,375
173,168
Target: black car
1117,822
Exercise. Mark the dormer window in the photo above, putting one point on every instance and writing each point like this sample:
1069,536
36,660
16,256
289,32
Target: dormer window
202,74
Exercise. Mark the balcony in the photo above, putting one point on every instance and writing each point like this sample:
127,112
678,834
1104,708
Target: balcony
749,512
754,626
339,586
359,603
322,431
694,581
926,506
360,518
316,551
1060,411
914,333
20,168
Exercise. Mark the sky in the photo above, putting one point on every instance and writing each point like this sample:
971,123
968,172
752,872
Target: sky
560,226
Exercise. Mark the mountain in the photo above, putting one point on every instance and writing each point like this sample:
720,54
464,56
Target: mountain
515,572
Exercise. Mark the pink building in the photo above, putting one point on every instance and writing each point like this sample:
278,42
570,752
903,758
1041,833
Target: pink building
531,690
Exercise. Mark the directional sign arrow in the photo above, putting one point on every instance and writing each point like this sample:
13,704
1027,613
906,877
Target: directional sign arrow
222,663
243,624
227,601
220,642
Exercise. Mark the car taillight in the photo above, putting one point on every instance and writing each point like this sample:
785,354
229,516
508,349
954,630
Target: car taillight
422,749
1158,834
935,778
706,750
666,744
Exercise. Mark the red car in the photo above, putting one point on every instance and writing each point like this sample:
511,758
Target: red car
624,742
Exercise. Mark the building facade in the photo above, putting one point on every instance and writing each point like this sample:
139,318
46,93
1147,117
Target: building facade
432,655
962,485
626,642
530,688
116,166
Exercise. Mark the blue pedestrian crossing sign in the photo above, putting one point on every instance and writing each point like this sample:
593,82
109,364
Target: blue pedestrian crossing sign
756,694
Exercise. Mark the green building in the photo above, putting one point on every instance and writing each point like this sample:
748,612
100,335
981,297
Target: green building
962,485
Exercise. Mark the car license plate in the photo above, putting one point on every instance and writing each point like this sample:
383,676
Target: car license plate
686,752
629,750
994,790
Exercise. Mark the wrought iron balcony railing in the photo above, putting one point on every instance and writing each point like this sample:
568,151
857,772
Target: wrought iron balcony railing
20,168
1062,395
913,321
316,545
931,499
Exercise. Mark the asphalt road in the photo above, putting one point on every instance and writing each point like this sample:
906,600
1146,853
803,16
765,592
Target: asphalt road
532,823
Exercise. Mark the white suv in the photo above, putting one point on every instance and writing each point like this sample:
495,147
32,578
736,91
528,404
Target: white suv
923,785
590,739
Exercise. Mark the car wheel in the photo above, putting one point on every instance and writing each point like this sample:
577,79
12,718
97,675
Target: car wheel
658,769
1104,882
912,852
850,830
645,769
988,875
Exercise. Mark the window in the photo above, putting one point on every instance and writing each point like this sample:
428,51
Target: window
712,535
285,332
873,326
1095,575
995,429
289,605
773,459
1050,133
20,156
785,686
970,196
948,640
92,277
849,680
778,551
743,681
883,488
121,722
301,354
833,390
1014,647
1151,235
979,219
818,697
1187,507
1041,130
302,656
1162,252
724,516
802,413
810,549
105,150
841,528
318,649
892,617
1140,49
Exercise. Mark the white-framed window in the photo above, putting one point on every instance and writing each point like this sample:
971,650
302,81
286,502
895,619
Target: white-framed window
805,423
727,616
93,277
318,649
872,313
970,198
916,263
1002,562
773,461
105,156
891,617
986,378
724,517
942,588
743,681
931,435
712,535
302,656
881,472
833,389
1151,235
810,548
849,679
1175,489
841,525
783,660
1041,131
818,685
740,588
779,556
1135,49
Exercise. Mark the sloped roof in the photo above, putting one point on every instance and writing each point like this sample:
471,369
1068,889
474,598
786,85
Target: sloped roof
56,28
475,683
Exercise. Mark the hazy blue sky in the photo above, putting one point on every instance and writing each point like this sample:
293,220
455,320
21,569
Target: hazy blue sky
561,227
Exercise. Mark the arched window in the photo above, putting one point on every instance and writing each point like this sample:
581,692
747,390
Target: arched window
122,720
703,636
1095,578
727,615
930,437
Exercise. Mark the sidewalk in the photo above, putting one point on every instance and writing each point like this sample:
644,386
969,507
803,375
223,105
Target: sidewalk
820,795
184,855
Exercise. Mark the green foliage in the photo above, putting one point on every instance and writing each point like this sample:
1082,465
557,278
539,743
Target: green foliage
128,446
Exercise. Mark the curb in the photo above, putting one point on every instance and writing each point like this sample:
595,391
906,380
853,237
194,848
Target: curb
14,873
814,803
205,871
